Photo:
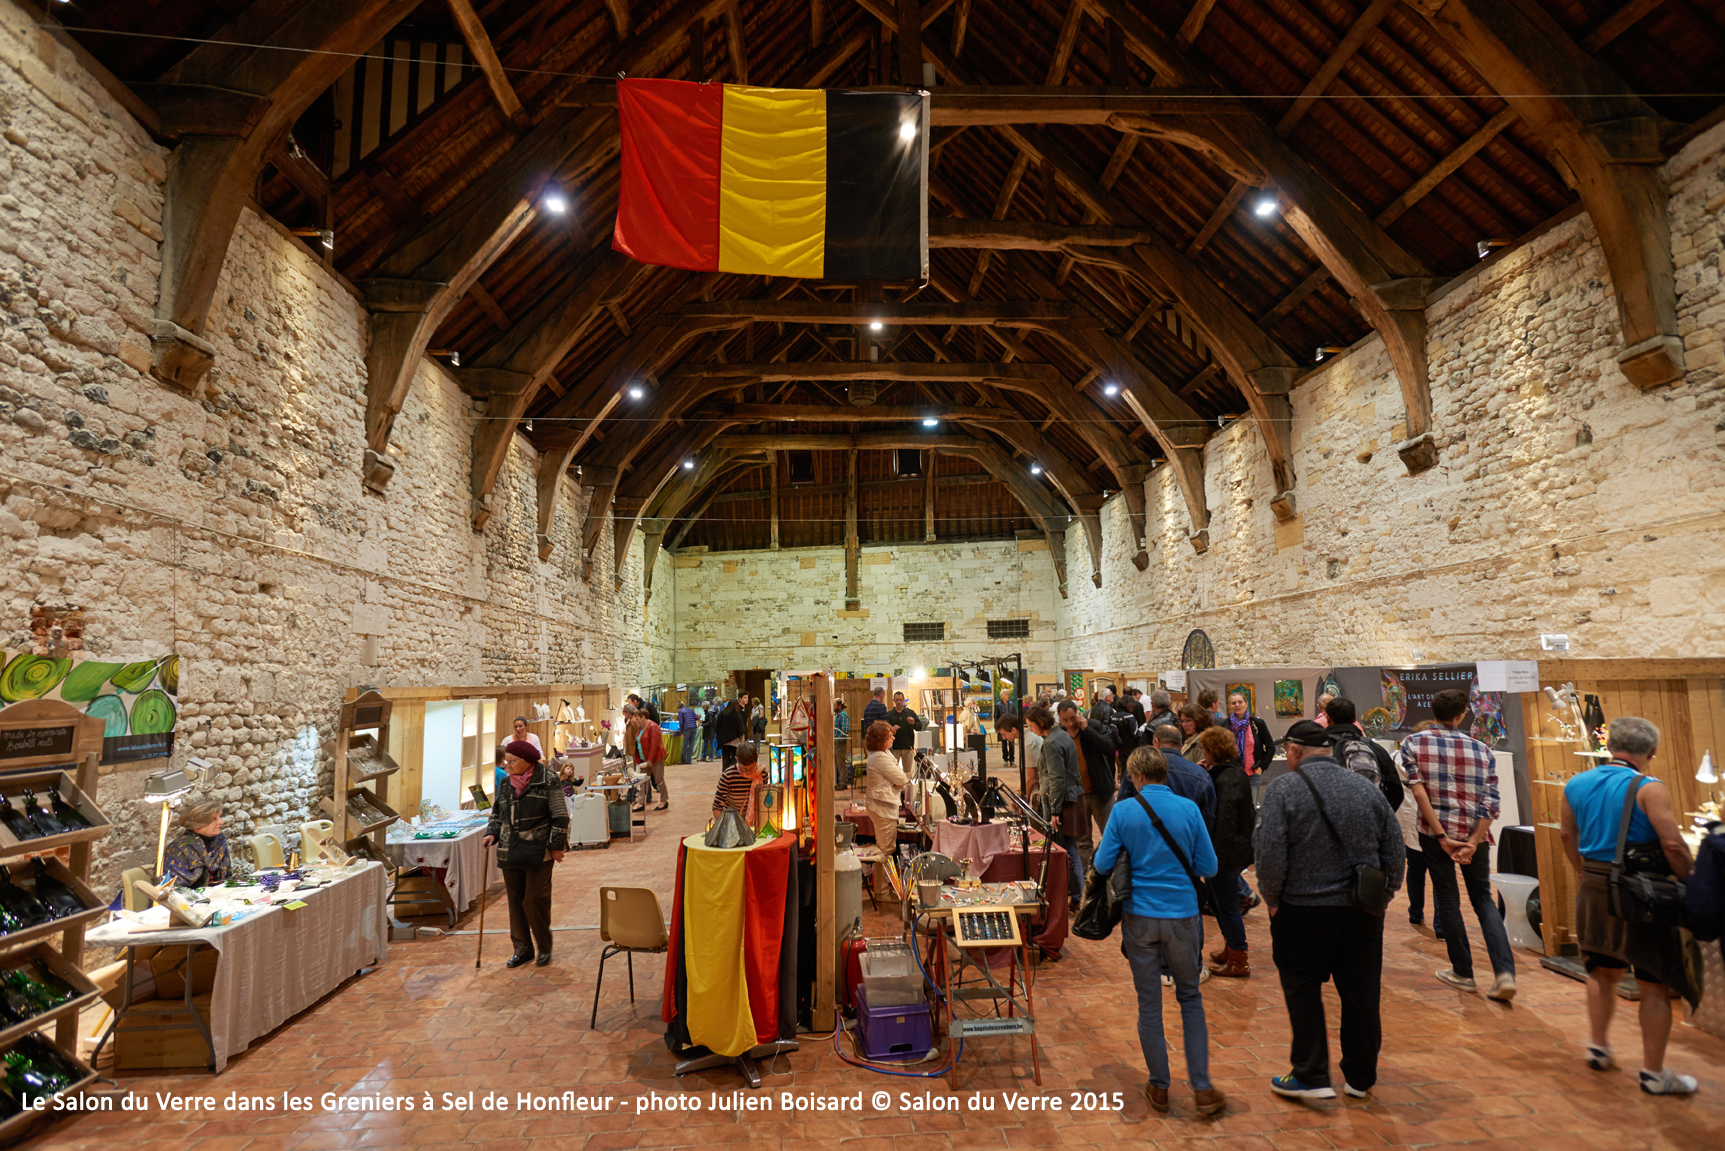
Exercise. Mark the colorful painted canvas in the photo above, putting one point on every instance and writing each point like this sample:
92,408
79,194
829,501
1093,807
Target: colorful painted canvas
1290,698
1245,689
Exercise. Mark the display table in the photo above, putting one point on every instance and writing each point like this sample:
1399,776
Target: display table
949,970
275,963
1008,867
731,971
462,867
977,842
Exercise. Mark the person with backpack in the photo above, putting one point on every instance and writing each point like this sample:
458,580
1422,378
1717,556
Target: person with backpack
1360,754
1168,850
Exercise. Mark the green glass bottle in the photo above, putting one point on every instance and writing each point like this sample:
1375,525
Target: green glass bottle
30,1078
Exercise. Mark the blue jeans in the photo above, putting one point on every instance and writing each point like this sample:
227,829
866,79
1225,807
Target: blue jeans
1177,945
1441,869
1225,894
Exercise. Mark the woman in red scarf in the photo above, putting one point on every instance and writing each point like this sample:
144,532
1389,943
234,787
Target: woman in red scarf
530,826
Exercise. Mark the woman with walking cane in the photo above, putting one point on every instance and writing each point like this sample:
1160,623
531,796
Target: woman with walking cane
530,826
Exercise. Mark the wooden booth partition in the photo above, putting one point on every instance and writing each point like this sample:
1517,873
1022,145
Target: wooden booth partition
1684,698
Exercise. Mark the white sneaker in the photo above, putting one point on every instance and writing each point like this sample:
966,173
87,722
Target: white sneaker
1203,975
1456,981
1600,1058
1356,1092
1667,1082
1503,988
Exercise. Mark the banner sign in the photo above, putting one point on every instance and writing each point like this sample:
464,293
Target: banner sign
1407,702
138,700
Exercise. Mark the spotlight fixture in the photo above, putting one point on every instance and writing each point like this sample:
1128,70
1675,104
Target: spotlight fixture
556,204
1264,208
907,131
930,422
451,354
636,393
875,325
1111,390
1705,773
1485,246
1035,469
324,236
688,465
527,426
1328,350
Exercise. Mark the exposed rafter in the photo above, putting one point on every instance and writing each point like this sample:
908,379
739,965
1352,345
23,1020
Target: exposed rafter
479,43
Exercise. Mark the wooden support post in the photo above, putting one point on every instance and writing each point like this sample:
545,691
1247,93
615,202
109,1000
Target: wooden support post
773,497
826,926
910,43
853,545
928,497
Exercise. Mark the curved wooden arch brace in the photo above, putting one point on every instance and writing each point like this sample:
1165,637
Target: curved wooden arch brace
428,271
513,370
710,465
634,494
1073,485
1606,142
228,102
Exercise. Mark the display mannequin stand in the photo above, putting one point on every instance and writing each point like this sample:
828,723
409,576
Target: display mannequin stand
745,1064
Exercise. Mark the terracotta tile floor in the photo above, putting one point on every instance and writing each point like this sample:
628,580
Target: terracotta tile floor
1456,1071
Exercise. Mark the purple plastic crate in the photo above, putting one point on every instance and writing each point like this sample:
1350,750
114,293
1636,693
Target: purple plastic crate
902,1031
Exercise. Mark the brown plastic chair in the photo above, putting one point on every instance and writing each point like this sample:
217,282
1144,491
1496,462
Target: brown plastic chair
629,921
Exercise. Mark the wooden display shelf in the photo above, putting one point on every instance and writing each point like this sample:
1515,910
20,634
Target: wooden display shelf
55,963
43,782
15,1127
374,762
94,907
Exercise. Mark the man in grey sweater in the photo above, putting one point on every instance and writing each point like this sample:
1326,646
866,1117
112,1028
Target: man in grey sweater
1306,876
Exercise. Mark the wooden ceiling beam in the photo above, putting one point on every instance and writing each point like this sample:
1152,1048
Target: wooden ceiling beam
1193,24
1072,482
1363,26
1445,167
261,75
1618,23
786,492
619,10
1057,104
873,414
1006,314
1606,142
1028,235
479,43
871,370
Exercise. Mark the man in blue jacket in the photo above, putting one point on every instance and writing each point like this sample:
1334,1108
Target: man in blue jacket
689,726
1162,927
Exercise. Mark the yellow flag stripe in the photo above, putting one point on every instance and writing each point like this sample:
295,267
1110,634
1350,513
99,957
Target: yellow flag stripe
713,914
773,182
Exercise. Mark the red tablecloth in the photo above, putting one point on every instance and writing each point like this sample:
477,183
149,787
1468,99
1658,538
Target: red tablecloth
1008,867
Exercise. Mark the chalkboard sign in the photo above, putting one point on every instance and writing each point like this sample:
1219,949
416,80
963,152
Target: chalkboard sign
367,716
36,742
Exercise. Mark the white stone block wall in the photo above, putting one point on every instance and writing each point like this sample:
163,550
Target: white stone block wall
748,609
231,526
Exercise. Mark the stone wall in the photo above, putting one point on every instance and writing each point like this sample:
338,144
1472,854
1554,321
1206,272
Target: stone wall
1564,501
785,609
231,526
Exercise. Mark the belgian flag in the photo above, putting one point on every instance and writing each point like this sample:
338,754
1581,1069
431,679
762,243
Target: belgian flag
774,181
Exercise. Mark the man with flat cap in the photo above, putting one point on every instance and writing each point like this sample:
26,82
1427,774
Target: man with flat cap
1322,832
530,826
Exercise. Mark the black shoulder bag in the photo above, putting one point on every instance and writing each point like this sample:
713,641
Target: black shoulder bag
1371,890
1646,898
1105,899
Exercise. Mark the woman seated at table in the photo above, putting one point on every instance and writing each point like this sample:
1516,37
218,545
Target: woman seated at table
198,854
886,780
740,786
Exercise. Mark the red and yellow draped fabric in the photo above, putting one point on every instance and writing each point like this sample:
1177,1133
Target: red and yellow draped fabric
726,945
774,181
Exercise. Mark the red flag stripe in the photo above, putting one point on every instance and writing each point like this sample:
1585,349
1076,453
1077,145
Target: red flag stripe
671,138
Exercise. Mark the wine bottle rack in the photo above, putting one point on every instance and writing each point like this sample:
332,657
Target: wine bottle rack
15,1126
24,876
56,964
14,785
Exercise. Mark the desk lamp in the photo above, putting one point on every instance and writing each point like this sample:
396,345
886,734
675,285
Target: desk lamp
165,787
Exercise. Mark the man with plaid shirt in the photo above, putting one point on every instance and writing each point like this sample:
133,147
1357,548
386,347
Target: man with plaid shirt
1453,777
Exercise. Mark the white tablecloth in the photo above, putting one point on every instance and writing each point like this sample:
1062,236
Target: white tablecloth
977,842
462,859
276,963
